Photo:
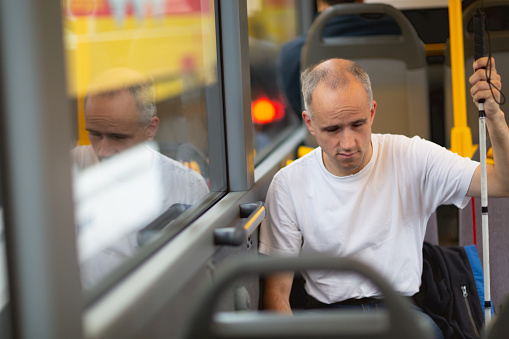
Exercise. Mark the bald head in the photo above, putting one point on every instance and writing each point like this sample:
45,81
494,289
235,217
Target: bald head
335,74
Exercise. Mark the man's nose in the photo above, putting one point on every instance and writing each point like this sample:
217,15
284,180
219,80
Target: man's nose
106,149
347,140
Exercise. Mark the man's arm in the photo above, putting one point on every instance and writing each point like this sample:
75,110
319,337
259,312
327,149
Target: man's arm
498,174
277,290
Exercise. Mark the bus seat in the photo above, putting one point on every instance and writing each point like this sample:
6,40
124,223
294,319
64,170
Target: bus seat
396,65
395,321
498,236
497,12
499,327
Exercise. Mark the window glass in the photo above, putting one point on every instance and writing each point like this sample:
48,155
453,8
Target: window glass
271,24
140,75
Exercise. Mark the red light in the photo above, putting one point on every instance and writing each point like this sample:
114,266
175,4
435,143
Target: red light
265,111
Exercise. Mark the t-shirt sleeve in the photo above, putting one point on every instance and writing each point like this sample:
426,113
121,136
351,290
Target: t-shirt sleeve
279,232
447,175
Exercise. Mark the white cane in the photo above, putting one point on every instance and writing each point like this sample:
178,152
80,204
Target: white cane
479,51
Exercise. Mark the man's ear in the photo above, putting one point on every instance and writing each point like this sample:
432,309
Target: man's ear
308,122
152,128
373,111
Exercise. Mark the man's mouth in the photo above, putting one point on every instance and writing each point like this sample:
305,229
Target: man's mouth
347,155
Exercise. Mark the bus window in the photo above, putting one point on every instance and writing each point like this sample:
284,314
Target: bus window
270,24
143,79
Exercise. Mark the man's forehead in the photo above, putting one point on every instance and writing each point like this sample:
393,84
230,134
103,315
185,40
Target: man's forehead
341,119
112,122
111,118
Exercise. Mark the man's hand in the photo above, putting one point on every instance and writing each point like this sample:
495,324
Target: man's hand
481,89
498,174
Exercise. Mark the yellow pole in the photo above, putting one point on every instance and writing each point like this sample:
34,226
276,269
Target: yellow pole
461,136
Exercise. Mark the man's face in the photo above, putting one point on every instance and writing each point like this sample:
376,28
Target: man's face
113,123
342,120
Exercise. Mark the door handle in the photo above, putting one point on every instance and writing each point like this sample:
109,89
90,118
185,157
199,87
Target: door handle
235,236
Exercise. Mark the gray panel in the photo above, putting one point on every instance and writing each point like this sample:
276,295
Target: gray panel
498,237
499,328
36,120
237,95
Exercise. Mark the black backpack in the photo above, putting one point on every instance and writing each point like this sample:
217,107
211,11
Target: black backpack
448,292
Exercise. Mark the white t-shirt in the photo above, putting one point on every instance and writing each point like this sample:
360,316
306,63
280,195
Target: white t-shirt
377,215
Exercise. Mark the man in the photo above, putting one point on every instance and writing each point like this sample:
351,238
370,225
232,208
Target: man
364,195
348,25
120,113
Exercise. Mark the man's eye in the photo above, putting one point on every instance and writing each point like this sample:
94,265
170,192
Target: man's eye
358,124
93,134
119,136
330,130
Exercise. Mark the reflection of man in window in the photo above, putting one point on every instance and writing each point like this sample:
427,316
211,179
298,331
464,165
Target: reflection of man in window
120,113
120,119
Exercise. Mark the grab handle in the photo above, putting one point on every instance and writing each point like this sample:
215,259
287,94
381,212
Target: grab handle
235,236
